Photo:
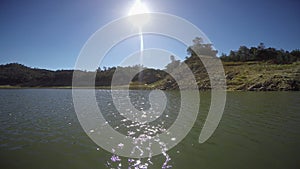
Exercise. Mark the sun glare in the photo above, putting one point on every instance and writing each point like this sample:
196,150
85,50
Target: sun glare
134,14
138,8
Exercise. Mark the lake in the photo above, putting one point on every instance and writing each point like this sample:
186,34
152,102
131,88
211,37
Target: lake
39,129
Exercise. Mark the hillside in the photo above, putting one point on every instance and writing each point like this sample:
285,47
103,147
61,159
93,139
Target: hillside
247,69
17,75
245,76
261,76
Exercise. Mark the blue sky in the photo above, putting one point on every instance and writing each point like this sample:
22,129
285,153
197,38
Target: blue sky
50,34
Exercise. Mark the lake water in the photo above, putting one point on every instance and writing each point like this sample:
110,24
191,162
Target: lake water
39,129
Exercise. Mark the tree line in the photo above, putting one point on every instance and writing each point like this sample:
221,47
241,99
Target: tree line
261,53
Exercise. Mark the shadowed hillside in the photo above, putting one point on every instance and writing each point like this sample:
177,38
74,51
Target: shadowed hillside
18,75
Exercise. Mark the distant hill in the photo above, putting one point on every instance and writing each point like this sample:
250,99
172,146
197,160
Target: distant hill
18,75
15,74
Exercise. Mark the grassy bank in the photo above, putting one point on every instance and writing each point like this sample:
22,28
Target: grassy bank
262,76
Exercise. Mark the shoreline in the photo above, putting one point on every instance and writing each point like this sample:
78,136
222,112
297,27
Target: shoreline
126,87
240,76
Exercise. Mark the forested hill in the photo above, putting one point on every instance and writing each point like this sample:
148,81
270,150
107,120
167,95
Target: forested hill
15,74
18,75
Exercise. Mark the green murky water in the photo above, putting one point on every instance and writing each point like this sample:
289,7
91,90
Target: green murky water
39,130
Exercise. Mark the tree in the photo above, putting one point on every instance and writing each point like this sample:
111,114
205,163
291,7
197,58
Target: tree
198,41
243,53
200,48
261,46
233,56
173,65
172,58
253,53
295,54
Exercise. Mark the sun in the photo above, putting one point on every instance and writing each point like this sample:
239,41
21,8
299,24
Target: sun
138,8
139,14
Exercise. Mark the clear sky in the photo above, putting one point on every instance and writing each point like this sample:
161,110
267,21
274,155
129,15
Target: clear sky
50,34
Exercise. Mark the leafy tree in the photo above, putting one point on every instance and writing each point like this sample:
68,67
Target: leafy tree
173,65
243,53
261,53
200,48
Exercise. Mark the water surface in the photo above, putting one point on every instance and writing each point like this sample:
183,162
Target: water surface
39,129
